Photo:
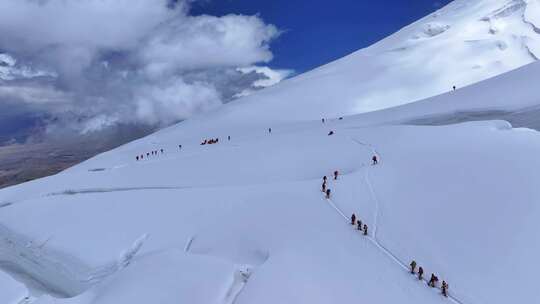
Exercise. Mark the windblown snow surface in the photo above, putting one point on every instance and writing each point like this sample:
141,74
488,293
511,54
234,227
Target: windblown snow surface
245,221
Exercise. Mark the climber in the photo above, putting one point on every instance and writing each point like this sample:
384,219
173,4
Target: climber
365,229
330,133
353,219
444,288
420,272
137,157
324,187
359,224
375,160
433,280
336,173
328,191
413,266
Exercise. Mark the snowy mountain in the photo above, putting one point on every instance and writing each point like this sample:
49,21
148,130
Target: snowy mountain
462,43
244,220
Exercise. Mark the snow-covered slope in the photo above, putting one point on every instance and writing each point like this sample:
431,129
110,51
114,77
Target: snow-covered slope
514,96
462,43
245,221
11,291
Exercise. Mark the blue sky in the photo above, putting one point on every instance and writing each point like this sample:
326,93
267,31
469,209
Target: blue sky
319,31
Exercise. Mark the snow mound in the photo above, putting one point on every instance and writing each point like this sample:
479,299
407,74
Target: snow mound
11,292
532,15
168,277
433,29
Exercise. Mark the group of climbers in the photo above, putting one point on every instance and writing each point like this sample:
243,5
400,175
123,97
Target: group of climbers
324,184
210,141
358,223
327,192
148,154
433,280
325,189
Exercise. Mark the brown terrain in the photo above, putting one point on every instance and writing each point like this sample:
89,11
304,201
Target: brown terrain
20,163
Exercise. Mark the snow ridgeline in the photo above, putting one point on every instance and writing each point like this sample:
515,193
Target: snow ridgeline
46,271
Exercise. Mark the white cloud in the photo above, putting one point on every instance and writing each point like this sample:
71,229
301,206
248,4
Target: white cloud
269,77
120,60
98,123
272,76
92,24
174,100
43,95
207,42
9,70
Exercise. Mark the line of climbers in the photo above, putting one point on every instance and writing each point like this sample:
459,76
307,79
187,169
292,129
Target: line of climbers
432,280
216,140
324,119
358,222
207,142
148,154
156,152
354,220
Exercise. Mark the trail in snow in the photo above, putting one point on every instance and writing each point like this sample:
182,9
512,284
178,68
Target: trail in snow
373,239
239,281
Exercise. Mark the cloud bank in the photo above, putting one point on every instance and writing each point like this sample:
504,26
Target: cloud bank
98,63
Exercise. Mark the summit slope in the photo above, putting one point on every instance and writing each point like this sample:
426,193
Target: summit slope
462,43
